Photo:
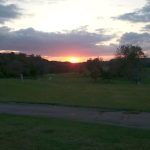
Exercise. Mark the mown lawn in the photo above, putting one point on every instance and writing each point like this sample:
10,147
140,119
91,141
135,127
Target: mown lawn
33,133
74,90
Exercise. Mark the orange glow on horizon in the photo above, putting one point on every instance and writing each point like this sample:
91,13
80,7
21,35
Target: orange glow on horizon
73,59
76,59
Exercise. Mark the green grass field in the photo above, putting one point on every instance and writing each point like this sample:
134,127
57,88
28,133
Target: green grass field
77,91
32,133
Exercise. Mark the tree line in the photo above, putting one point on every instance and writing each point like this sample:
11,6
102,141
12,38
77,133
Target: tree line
128,63
30,66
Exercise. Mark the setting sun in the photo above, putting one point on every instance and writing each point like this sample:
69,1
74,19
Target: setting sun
73,59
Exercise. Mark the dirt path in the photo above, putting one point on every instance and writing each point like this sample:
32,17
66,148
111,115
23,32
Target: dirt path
120,118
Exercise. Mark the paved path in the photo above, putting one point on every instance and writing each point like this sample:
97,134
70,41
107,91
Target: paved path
137,120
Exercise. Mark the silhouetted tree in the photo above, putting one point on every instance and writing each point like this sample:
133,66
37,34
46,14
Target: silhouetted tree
94,66
129,57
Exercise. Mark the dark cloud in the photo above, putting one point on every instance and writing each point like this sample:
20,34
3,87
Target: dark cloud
2,1
141,15
8,12
146,28
142,39
54,44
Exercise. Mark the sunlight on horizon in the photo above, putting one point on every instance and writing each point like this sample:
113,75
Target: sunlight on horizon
73,59
76,59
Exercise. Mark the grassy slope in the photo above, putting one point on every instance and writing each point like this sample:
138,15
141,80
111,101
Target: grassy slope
28,133
77,91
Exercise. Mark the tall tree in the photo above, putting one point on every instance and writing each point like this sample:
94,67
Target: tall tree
130,56
94,66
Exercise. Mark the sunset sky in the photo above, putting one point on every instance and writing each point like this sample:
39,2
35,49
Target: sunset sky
69,29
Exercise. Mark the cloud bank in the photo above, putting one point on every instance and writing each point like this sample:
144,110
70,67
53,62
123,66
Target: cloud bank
76,42
142,39
141,15
8,12
147,28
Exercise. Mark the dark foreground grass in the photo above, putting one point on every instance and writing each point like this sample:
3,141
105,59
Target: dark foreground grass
77,91
31,133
